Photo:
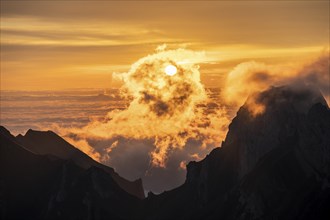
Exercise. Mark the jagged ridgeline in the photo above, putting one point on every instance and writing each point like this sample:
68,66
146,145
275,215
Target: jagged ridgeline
272,165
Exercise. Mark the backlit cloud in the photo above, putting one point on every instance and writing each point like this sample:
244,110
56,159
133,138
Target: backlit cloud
251,77
167,109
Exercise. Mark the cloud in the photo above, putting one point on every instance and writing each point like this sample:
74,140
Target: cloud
172,120
251,77
168,110
85,147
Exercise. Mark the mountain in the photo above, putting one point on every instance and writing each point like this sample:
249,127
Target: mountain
49,143
273,165
46,187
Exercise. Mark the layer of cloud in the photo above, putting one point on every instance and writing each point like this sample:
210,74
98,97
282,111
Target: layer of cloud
168,110
223,21
251,77
172,120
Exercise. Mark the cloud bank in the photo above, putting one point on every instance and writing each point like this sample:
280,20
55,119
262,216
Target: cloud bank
168,110
250,77
171,120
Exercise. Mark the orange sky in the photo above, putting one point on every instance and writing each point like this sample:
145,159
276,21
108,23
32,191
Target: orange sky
61,45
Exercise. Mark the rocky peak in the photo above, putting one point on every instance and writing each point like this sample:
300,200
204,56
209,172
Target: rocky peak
4,132
284,117
49,143
286,122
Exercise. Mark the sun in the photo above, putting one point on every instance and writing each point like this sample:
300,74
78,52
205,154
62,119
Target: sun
170,70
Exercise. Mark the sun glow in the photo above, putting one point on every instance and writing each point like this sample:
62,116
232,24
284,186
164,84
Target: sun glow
170,70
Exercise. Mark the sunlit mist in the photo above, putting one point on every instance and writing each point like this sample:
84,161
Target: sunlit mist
168,109
146,87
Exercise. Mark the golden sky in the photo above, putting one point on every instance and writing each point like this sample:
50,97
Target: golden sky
79,44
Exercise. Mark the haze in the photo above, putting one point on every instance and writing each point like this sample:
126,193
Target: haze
54,45
63,65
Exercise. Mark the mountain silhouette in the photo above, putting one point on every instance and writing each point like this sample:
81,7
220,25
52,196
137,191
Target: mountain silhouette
275,165
49,143
46,187
272,165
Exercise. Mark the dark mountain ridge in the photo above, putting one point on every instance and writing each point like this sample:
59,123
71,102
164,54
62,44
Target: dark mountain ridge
46,187
49,143
273,165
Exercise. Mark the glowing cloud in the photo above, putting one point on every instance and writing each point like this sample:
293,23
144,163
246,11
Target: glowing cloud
169,106
169,109
251,77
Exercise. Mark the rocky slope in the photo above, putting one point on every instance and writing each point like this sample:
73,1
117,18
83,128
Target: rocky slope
49,143
273,165
46,187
